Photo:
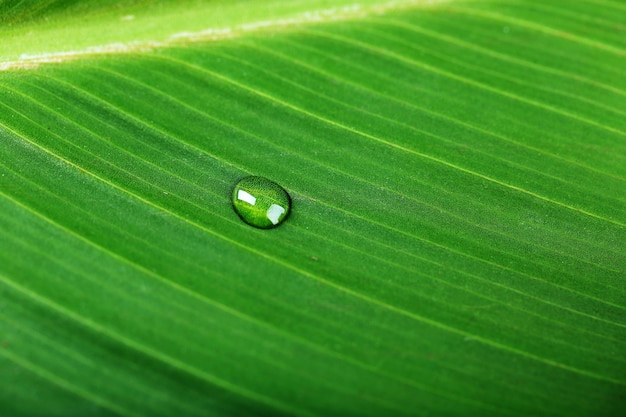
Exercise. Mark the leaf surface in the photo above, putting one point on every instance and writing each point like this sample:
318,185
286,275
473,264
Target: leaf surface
456,244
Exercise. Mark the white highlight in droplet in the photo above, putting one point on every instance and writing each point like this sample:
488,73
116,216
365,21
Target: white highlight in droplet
247,197
274,212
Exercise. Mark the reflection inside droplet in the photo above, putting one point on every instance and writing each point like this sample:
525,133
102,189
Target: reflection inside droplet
244,196
274,212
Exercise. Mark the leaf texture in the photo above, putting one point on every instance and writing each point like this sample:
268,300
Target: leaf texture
456,244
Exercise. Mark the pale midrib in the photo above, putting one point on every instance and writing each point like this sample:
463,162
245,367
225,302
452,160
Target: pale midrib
335,14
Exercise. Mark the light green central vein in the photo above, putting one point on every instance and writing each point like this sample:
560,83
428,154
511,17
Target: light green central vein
287,265
386,142
180,24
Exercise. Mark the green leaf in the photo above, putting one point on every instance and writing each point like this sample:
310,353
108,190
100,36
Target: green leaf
457,237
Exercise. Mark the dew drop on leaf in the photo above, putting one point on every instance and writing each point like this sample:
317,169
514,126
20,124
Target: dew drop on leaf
260,202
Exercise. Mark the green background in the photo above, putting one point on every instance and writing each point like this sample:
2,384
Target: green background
457,238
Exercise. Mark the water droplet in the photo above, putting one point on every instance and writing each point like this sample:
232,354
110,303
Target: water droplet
260,202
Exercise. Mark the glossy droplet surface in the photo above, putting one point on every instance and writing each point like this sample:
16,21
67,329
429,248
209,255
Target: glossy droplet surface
260,202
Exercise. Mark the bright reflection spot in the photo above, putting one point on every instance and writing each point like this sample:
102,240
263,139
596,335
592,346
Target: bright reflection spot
247,197
274,212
